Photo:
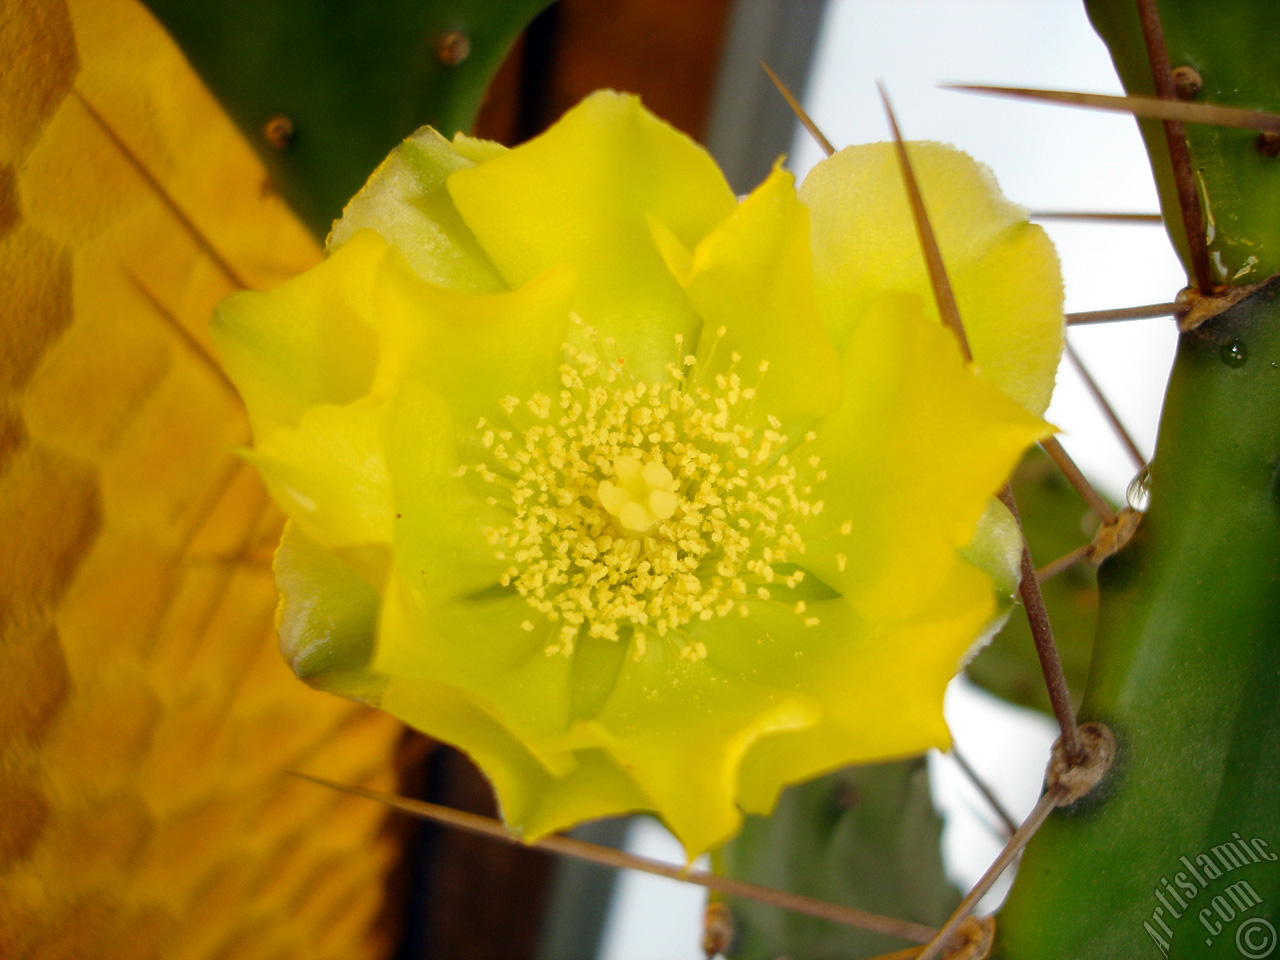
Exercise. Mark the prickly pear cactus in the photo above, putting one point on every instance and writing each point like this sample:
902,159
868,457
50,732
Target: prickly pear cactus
867,836
1177,852
324,91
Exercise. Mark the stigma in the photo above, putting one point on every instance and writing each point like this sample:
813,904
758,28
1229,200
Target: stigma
643,494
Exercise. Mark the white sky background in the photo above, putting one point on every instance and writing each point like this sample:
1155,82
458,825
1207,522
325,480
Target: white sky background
1045,158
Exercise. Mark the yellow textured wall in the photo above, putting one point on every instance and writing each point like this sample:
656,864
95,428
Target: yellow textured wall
145,716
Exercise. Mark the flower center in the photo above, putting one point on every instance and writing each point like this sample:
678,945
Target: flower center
637,508
643,494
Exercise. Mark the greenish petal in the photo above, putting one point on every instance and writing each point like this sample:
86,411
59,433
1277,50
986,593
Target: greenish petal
407,203
327,617
440,518
477,645
543,782
996,547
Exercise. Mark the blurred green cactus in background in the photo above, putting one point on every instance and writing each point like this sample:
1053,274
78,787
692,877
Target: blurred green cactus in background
324,91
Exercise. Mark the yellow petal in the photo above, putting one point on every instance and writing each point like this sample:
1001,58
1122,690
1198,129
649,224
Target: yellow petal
476,647
581,194
532,799
914,454
482,348
330,473
880,683
311,340
752,279
1004,269
681,729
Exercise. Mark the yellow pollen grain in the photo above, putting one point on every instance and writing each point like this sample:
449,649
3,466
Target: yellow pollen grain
636,508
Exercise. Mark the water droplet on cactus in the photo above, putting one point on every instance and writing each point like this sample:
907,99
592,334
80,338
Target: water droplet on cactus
1235,354
1138,493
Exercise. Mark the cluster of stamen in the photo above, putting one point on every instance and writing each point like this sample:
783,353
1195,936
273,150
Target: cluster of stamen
639,507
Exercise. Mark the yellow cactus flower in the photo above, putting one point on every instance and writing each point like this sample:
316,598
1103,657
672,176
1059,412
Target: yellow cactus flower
646,498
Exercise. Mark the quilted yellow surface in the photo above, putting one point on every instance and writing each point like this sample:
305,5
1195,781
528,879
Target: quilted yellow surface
145,714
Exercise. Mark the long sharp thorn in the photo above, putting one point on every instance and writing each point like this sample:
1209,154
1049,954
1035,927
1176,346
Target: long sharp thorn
910,953
1055,681
1064,562
1175,136
619,859
1149,108
799,111
1020,838
1077,479
1029,587
987,793
943,295
1123,435
1145,312
1096,216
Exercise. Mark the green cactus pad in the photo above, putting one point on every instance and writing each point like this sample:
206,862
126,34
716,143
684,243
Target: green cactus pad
1234,45
867,836
350,79
1187,674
